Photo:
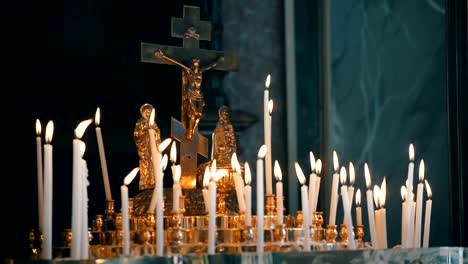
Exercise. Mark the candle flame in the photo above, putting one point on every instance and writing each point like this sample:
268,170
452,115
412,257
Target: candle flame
262,151
129,178
82,148
247,173
267,81
164,162
152,117
38,127
235,163
177,173
367,175
377,196
81,128
299,173
277,171
411,152
352,174
206,176
358,197
164,144
97,117
421,171
312,161
383,192
49,131
173,153
336,164
343,175
318,166
270,106
428,189
403,193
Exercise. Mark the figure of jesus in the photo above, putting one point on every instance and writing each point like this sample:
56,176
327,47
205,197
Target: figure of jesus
192,102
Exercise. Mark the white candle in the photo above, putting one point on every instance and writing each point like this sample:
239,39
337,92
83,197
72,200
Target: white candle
318,169
334,191
48,182
312,185
40,188
370,207
248,195
378,217
409,188
279,192
125,212
77,193
267,131
305,206
427,218
260,201
382,200
419,201
212,210
176,190
84,207
403,214
350,190
238,183
410,229
160,207
156,159
347,209
206,181
102,156
358,208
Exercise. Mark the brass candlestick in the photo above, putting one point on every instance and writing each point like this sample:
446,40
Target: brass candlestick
344,233
270,204
331,234
360,235
317,230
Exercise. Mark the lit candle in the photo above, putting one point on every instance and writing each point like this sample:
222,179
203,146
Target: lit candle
77,193
358,208
312,189
40,188
334,191
305,206
102,156
279,192
350,189
84,206
239,184
427,219
347,209
409,188
212,210
47,221
159,207
176,190
318,169
382,200
260,201
370,206
125,217
419,201
157,171
410,228
267,131
206,181
403,214
378,217
155,158
248,195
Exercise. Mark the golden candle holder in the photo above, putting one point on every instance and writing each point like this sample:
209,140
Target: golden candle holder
344,233
331,234
360,235
317,229
270,204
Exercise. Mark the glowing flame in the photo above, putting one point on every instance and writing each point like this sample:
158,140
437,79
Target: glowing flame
173,153
318,166
235,163
262,151
267,81
206,177
277,171
411,152
428,189
82,148
270,106
367,175
164,144
383,192
97,117
81,128
247,173
336,165
312,161
177,174
49,131
152,116
129,178
421,171
299,173
403,193
358,197
377,196
164,162
351,173
38,127
343,175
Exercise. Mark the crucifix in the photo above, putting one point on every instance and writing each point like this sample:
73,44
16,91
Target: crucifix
190,58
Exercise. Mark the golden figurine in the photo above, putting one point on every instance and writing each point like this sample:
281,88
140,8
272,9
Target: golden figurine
142,141
192,97
224,138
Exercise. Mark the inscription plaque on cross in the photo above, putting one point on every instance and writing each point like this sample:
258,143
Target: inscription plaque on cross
191,30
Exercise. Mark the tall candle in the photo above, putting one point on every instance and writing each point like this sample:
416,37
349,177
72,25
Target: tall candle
350,189
382,200
176,189
347,209
248,195
318,169
267,132
212,210
334,191
77,193
84,207
358,208
160,208
378,217
238,183
370,206
205,193
102,155
279,192
419,201
40,188
409,188
157,152
47,221
260,201
312,180
427,218
125,212
305,206
403,214
410,228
